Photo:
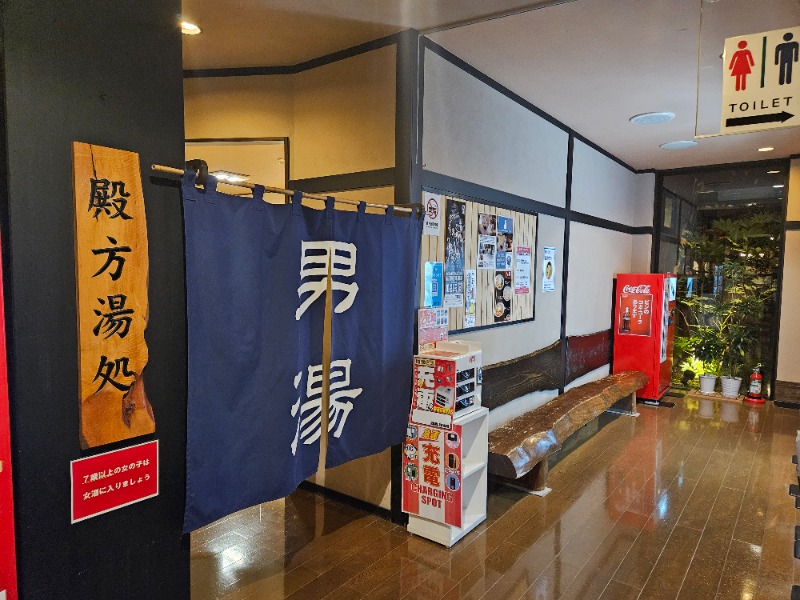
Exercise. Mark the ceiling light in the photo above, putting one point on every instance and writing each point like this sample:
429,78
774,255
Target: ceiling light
679,145
188,28
229,177
766,149
778,185
652,118
772,172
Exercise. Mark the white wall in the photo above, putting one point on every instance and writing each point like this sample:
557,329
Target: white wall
596,256
475,133
603,188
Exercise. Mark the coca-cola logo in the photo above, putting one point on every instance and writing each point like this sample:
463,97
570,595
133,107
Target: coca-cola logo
636,289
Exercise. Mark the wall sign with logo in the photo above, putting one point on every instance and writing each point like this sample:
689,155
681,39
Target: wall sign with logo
432,224
761,81
635,310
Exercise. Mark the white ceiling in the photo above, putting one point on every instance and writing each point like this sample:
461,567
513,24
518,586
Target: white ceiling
592,64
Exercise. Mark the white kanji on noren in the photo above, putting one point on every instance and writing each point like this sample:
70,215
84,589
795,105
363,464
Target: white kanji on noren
309,412
314,264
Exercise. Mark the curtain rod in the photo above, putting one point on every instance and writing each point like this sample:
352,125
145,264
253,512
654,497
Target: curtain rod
274,190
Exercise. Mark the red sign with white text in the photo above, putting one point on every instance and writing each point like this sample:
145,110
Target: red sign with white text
635,311
432,473
111,480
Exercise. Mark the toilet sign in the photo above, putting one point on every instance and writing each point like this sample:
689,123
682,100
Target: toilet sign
761,81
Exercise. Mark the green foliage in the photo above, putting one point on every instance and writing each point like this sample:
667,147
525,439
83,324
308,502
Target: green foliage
724,324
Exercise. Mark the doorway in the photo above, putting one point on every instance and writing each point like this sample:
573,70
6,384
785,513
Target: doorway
720,230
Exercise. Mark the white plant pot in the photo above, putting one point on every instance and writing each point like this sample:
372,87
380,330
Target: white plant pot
731,386
707,384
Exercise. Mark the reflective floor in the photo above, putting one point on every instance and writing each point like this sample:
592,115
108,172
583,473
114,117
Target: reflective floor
689,502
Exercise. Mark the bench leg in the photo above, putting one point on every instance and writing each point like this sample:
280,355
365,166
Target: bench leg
535,481
626,406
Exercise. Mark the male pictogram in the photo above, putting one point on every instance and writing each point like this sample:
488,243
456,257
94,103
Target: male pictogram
786,54
740,64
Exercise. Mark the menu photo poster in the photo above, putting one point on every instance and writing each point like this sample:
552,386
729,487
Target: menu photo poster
502,296
454,254
548,269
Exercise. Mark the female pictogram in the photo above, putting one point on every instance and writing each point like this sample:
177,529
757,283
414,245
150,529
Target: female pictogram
741,61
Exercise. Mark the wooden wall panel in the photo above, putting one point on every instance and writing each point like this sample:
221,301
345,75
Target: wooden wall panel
585,353
534,372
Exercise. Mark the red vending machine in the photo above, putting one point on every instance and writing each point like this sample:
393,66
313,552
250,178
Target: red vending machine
643,329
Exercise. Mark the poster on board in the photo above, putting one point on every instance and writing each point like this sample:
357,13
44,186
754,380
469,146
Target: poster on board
454,254
548,269
522,270
432,327
505,243
502,296
471,282
487,247
432,224
433,285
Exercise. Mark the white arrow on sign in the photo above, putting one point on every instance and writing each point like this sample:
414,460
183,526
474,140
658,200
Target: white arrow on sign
761,81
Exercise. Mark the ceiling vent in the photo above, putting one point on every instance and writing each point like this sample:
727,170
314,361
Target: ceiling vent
652,118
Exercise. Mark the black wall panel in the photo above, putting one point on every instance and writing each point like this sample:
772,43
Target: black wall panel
107,73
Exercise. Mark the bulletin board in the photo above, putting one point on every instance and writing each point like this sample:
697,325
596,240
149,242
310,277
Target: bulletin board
490,283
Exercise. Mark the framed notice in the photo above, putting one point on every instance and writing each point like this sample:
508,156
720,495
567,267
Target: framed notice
111,263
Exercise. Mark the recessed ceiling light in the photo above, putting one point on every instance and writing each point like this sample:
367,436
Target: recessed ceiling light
188,28
778,185
679,145
772,172
652,118
766,149
229,176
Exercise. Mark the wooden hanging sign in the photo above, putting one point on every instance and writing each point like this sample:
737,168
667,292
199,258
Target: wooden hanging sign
111,262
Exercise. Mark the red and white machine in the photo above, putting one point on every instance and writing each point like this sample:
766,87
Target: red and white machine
644,330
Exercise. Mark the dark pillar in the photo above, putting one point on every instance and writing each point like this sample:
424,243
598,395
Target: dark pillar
107,73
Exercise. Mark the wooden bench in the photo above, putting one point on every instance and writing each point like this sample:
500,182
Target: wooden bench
519,449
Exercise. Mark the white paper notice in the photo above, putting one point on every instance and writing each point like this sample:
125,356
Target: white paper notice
471,281
522,270
549,269
487,248
432,224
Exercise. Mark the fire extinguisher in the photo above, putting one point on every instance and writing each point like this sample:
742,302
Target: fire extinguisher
754,394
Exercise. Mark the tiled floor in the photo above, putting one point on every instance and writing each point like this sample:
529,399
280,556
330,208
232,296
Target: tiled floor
689,502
